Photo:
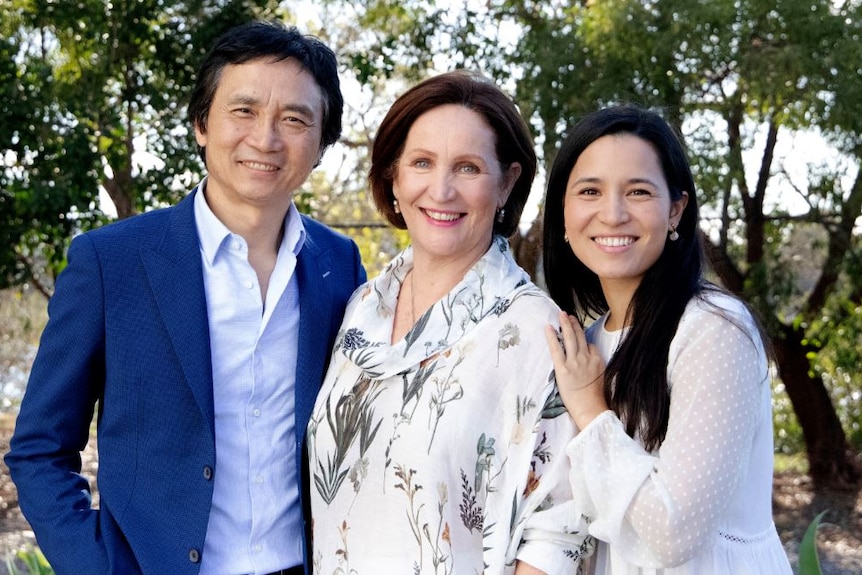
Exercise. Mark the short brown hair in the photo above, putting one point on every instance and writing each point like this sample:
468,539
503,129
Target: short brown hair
471,90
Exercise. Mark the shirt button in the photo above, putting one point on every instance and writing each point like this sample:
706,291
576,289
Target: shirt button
258,479
258,548
194,555
256,412
249,284
208,472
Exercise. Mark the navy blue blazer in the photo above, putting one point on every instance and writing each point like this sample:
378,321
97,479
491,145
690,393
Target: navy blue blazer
128,332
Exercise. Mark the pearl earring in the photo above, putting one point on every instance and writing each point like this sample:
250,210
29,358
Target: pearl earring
396,207
673,236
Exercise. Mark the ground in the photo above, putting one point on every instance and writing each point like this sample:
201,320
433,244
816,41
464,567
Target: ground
795,504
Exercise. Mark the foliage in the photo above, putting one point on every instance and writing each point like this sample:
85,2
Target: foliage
786,430
837,334
85,86
22,318
34,563
809,562
743,81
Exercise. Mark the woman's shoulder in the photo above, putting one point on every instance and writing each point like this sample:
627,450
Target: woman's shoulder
716,301
529,299
715,309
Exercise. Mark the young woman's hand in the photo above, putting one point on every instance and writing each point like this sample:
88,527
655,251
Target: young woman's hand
579,370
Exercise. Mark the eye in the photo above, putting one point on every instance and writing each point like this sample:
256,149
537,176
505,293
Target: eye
640,192
421,163
241,111
587,192
469,169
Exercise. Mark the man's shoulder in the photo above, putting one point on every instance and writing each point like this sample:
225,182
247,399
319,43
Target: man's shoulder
323,235
134,223
140,227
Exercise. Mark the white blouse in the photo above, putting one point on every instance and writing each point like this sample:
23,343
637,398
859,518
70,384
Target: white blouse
702,504
444,453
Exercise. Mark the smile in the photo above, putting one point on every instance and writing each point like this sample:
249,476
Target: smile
259,166
614,241
442,216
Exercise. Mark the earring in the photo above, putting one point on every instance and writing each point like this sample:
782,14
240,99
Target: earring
566,238
673,236
501,213
396,207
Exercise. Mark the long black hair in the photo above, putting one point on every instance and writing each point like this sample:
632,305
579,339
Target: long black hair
636,385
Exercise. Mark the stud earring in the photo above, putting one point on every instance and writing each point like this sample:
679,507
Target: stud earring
396,207
673,236
501,213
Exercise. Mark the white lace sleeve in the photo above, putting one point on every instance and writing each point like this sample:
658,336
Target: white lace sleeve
658,510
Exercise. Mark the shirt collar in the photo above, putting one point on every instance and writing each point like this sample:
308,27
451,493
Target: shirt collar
213,233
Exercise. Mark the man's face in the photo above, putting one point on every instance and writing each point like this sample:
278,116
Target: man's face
263,134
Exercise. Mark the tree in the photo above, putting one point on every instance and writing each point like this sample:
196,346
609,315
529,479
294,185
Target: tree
759,71
738,78
82,82
85,85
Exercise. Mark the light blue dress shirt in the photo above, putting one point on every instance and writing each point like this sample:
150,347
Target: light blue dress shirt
255,524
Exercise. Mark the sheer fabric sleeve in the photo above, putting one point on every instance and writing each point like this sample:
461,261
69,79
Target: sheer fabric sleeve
551,534
659,510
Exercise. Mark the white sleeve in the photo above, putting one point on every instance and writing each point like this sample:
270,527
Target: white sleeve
550,533
658,510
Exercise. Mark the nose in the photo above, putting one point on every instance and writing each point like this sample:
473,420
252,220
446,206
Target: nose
441,185
613,209
265,134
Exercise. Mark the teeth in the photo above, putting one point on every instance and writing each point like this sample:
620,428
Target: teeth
263,167
615,241
442,217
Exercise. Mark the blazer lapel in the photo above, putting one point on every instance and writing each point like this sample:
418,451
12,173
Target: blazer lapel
175,274
314,319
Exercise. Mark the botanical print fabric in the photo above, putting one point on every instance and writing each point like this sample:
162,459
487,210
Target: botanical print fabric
444,452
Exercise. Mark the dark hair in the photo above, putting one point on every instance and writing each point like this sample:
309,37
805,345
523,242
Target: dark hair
259,39
479,94
636,384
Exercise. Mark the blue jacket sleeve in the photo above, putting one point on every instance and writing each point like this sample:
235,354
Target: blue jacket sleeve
55,417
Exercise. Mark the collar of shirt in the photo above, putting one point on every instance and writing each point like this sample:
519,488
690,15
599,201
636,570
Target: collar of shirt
255,504
213,233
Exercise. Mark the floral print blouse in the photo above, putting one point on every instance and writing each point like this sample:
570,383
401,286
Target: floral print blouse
444,453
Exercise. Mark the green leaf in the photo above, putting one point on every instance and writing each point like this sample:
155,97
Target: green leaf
809,562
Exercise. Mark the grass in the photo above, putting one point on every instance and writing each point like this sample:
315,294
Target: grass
792,463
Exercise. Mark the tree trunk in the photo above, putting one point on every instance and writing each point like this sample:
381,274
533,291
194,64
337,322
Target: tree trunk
527,250
830,460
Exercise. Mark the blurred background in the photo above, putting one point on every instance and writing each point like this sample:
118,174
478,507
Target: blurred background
766,94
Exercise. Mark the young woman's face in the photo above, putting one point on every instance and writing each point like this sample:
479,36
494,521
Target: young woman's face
449,185
618,209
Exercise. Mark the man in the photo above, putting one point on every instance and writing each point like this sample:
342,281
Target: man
202,331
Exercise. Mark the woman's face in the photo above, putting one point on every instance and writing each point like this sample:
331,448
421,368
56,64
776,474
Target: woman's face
449,185
618,210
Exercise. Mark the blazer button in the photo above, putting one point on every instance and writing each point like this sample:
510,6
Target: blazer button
208,472
194,555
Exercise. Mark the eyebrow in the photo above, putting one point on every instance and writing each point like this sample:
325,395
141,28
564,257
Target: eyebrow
289,107
594,180
468,157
